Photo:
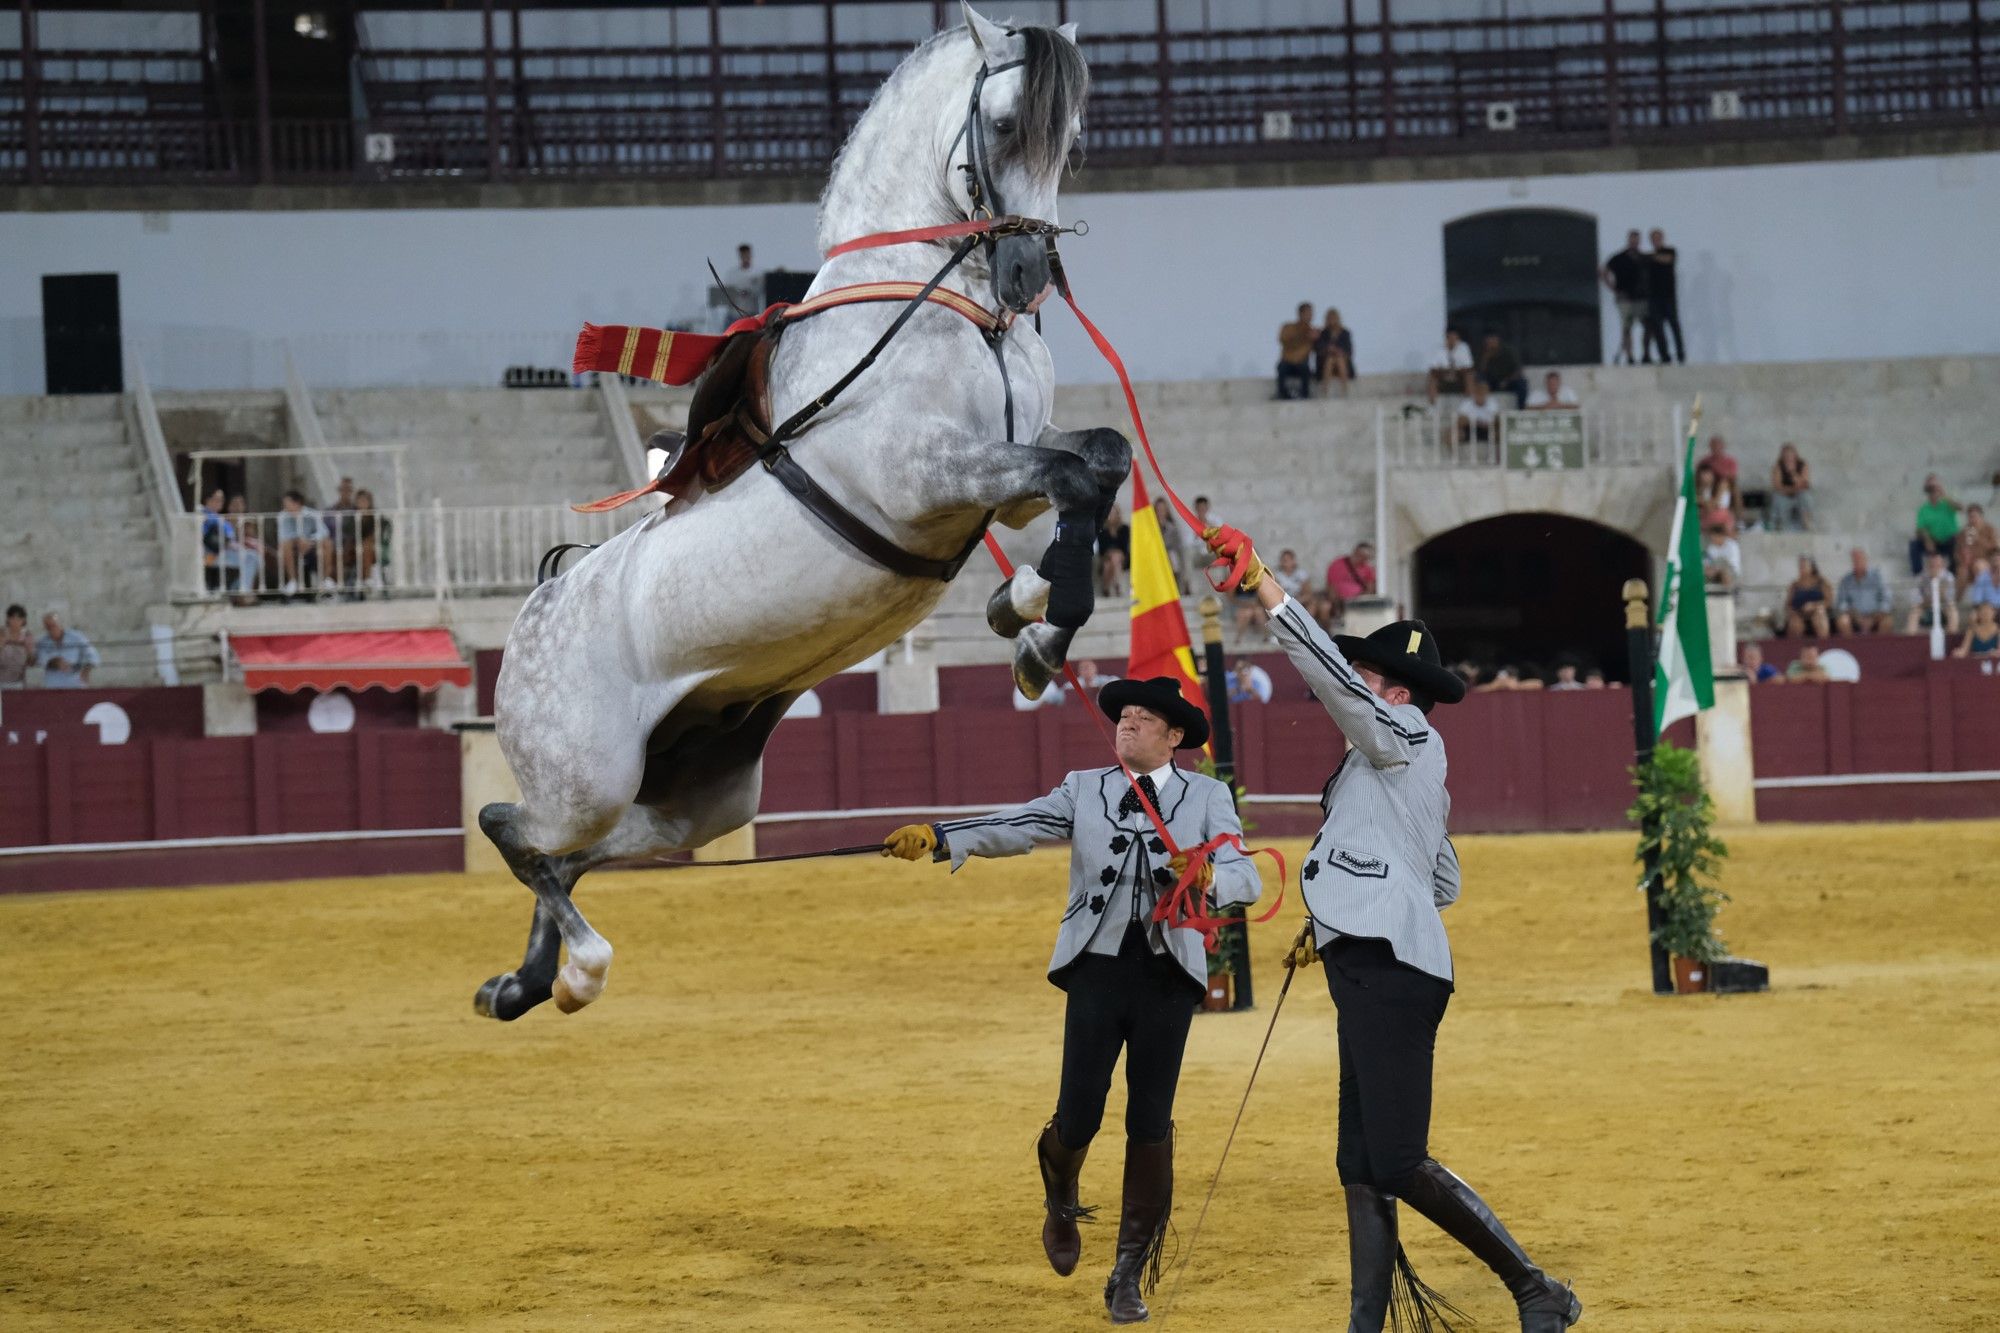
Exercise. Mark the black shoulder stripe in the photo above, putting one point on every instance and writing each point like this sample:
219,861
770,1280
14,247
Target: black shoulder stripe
1353,685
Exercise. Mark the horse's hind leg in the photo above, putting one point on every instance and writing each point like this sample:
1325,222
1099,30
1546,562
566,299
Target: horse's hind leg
557,924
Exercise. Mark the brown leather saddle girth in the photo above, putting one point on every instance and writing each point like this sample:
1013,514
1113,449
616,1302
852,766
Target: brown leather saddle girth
729,421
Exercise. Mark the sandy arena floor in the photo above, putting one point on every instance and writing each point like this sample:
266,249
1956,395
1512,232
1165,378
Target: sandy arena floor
807,1100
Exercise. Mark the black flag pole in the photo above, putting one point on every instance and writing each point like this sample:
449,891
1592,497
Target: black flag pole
1234,940
1639,654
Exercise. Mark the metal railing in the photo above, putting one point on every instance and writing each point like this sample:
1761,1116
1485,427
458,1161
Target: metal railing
143,416
1408,83
351,555
1429,438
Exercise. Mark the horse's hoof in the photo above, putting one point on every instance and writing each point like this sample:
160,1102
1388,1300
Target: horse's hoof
506,998
582,978
1039,654
1017,603
565,998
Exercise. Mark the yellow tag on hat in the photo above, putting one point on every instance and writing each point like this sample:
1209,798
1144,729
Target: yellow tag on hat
1416,637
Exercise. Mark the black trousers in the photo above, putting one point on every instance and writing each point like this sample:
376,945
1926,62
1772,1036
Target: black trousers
1660,318
1140,1001
1388,1020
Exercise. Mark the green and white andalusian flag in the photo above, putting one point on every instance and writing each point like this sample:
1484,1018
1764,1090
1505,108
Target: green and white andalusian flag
1684,675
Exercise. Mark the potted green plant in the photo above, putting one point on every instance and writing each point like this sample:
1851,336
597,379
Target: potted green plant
1676,819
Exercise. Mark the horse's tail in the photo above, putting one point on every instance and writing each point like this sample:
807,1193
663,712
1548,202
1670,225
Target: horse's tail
551,562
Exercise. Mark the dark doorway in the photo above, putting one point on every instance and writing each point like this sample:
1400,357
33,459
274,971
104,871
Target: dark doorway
1533,590
1529,275
80,348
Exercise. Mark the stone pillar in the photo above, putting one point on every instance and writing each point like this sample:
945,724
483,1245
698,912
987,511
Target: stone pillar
1722,631
1728,763
1365,615
732,846
483,778
907,682
228,709
447,706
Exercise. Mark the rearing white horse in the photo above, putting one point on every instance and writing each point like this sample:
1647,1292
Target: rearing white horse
640,687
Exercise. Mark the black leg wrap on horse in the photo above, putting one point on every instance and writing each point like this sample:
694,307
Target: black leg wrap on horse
1069,565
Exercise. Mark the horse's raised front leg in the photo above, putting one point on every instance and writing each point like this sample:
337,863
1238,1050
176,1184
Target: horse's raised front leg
1079,473
557,924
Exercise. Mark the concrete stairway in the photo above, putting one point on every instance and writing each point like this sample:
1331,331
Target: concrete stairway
76,531
475,447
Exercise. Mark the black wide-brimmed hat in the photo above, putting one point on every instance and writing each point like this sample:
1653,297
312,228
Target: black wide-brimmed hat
1407,653
1162,695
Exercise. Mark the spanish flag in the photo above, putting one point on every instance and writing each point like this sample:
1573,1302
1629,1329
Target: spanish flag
1160,643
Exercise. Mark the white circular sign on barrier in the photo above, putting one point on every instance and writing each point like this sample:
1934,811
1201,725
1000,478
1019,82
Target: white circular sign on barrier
331,713
114,724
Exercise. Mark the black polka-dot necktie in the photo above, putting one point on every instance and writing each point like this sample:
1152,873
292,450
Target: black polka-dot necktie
1130,805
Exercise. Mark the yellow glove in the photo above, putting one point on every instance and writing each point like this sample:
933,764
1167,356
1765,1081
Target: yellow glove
1301,953
1227,543
912,842
1204,880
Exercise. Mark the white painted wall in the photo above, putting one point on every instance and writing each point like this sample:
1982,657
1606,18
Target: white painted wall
1785,263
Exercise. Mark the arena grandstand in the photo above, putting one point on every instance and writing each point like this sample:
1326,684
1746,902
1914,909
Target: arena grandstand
1466,311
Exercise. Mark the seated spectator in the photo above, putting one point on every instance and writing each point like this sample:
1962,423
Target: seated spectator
1451,367
1500,370
1052,697
1347,577
1715,485
1566,678
1982,636
1553,395
1750,658
1805,667
1863,605
1808,601
1248,681
17,649
215,572
1333,353
1090,679
247,552
1295,348
1478,416
1204,517
1939,585
371,532
1173,535
1791,492
1289,576
1937,525
304,550
1985,589
1508,678
1467,671
1114,552
1593,679
1976,541
64,655
341,532
1721,557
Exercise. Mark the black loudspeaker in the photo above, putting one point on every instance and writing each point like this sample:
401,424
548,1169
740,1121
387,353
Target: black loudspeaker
1529,275
786,286
1735,976
80,343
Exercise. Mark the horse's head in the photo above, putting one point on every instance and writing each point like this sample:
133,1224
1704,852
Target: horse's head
1012,138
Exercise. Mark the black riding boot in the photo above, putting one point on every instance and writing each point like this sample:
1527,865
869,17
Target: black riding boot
1371,1256
1142,1228
1060,1168
1546,1305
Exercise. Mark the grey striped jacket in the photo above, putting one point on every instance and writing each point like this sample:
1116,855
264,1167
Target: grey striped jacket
1381,866
1117,863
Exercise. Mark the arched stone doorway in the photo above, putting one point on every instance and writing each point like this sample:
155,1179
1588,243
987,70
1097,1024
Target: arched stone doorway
1529,589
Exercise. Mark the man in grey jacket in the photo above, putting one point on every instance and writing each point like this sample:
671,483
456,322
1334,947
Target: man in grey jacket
1132,980
1376,878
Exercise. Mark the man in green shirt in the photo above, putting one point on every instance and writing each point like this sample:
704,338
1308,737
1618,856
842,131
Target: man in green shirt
1937,525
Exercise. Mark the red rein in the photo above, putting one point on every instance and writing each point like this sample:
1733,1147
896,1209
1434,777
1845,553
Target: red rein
1186,905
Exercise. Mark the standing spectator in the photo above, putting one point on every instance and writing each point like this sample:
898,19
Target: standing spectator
1862,604
1114,553
1806,667
248,551
1090,680
1791,492
64,655
1663,304
1982,636
1333,352
1451,366
1625,274
1553,394
1976,540
304,551
17,649
745,283
1937,525
1248,681
1295,348
1478,417
1750,657
216,574
341,535
1721,557
1938,585
1348,577
1501,370
1808,601
1985,589
1174,537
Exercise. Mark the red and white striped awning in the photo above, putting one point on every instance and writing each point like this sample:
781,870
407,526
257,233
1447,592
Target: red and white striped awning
351,660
